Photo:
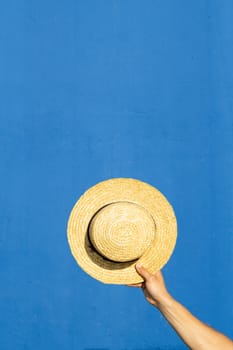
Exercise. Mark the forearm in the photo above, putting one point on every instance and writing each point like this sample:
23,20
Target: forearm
196,334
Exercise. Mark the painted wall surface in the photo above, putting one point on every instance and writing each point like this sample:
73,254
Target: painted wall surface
91,90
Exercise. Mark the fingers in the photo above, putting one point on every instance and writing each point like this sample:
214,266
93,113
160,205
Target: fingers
143,272
159,274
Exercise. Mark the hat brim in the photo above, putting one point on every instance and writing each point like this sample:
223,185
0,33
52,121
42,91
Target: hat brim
121,190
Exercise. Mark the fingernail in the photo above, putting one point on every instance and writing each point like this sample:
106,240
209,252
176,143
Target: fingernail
139,266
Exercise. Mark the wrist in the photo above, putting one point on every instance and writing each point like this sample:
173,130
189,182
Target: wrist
165,301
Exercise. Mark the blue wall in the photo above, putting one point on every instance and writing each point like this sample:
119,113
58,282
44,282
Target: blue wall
91,90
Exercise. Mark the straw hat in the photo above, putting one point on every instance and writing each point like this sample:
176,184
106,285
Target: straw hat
120,222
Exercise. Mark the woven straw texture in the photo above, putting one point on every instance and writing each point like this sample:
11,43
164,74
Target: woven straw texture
120,222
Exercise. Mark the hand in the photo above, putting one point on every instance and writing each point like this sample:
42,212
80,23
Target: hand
195,334
153,286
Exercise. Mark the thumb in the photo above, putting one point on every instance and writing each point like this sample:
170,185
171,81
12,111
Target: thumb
143,272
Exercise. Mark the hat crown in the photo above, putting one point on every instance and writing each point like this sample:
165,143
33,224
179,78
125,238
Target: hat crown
122,231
